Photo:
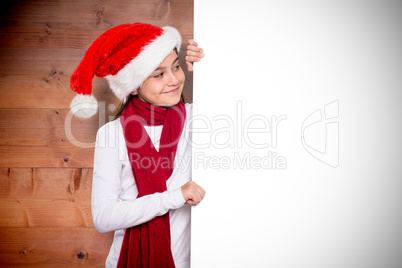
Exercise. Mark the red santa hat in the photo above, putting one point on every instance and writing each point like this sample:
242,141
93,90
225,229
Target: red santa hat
125,55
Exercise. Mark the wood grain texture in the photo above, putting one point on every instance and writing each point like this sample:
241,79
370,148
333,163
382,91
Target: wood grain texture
46,156
45,213
46,183
43,42
76,24
32,197
47,138
53,247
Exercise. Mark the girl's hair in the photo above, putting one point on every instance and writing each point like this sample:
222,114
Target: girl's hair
123,105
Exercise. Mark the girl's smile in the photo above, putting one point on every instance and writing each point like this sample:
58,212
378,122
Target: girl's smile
173,91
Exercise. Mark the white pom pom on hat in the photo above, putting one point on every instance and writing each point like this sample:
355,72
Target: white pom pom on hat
84,106
126,56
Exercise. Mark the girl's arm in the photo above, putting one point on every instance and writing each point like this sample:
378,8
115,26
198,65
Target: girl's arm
194,54
111,208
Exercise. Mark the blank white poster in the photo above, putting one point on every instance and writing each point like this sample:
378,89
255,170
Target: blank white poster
297,134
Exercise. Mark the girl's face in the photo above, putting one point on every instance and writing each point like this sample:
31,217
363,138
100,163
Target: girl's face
164,86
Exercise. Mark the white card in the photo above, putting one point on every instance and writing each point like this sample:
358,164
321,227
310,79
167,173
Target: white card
297,134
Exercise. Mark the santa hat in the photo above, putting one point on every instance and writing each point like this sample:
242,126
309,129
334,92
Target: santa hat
125,55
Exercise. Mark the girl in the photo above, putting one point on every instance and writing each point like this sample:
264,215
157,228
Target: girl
142,188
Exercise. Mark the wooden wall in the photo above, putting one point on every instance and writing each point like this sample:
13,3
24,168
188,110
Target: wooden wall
46,156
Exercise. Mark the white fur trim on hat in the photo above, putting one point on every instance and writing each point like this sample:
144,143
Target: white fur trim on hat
84,106
129,78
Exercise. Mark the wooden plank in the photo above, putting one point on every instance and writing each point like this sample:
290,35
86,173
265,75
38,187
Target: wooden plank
35,119
47,63
46,183
35,91
50,90
45,213
53,247
60,25
65,39
35,156
46,138
45,197
44,27
99,12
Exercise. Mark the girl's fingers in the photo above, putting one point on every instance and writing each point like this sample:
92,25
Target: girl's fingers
189,66
195,53
192,59
192,42
194,48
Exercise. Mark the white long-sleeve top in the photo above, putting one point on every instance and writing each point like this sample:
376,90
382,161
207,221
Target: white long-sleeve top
115,205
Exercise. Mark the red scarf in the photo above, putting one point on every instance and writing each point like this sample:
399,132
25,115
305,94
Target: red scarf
148,244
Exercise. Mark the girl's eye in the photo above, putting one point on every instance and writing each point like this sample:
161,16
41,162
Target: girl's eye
158,75
177,67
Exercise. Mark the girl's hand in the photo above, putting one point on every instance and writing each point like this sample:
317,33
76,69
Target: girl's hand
194,53
192,193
